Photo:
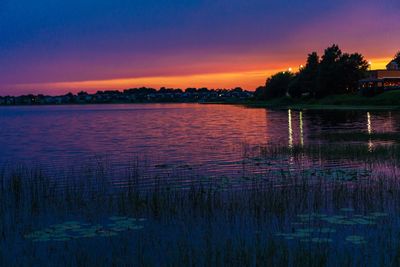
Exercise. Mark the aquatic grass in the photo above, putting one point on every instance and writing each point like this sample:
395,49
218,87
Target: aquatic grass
353,152
74,230
224,221
357,136
317,231
356,240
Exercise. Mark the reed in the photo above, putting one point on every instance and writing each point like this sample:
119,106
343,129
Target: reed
291,217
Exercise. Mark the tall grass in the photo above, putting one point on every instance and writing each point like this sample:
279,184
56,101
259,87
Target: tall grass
192,221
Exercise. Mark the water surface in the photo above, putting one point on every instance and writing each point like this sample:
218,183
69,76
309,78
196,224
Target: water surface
227,197
211,139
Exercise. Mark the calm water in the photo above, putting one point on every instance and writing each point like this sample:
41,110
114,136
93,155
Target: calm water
212,139
354,224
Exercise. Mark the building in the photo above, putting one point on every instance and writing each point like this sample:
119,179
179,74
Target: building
393,65
379,81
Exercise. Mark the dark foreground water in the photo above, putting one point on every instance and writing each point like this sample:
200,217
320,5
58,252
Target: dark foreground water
198,185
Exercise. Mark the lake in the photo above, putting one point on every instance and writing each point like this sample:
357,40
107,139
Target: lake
211,139
196,184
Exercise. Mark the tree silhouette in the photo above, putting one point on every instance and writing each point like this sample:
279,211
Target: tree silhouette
352,68
397,58
306,80
335,73
339,73
277,85
260,92
328,74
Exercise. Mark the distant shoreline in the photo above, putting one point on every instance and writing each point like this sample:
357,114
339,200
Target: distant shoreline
123,103
385,102
134,95
249,104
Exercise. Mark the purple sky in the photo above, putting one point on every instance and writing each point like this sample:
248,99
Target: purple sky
54,46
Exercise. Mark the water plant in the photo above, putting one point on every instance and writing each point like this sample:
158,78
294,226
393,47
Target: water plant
74,229
290,214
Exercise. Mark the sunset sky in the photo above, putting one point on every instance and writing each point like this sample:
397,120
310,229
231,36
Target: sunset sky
56,46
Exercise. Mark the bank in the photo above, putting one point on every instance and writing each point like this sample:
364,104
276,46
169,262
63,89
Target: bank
389,100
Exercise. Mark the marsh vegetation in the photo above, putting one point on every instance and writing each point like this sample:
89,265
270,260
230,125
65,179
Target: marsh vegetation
296,215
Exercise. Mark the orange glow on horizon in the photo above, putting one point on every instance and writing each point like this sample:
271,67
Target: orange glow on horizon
249,80
379,63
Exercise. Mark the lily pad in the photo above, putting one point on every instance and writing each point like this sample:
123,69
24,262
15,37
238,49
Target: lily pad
74,230
321,240
306,230
301,234
379,214
116,218
327,230
363,221
356,240
347,210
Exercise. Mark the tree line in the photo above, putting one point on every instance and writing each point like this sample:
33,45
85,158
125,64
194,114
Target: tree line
333,73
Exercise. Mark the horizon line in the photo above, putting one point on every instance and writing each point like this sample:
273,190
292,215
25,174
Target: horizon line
247,80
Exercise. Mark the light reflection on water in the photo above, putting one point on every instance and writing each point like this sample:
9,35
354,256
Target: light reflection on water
208,139
290,128
301,129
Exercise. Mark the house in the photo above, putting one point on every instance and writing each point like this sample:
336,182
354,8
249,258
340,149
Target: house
393,65
378,81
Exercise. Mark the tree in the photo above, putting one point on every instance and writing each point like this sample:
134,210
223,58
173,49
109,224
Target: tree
310,73
190,90
237,89
397,58
352,68
277,85
339,73
203,90
335,73
259,93
295,88
328,72
306,79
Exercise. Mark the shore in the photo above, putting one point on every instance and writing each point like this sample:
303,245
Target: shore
273,104
321,107
386,101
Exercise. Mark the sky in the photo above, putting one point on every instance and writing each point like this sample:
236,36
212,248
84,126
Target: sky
57,46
